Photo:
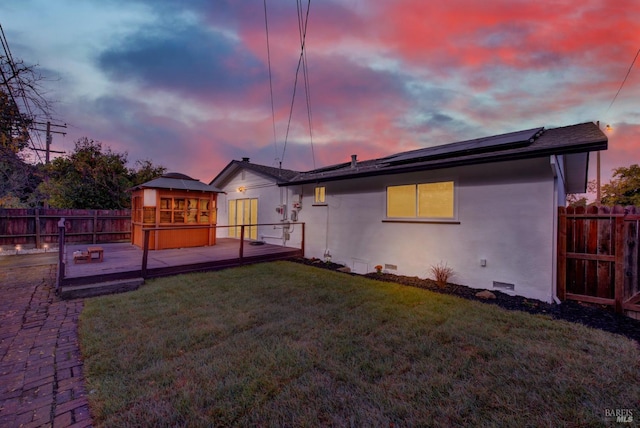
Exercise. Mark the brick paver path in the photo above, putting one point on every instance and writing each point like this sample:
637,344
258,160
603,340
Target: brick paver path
41,382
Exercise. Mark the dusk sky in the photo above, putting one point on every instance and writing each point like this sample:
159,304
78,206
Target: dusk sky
186,83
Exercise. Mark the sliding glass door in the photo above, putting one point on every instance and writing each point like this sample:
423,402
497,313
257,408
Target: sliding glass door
243,212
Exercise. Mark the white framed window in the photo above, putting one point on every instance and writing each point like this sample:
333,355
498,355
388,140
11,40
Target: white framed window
319,195
423,201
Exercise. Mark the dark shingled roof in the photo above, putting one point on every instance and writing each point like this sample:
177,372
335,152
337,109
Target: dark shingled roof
526,144
177,176
279,175
177,181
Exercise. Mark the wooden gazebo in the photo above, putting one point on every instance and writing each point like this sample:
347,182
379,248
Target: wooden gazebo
180,209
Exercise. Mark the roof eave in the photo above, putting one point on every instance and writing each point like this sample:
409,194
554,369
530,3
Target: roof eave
226,172
443,164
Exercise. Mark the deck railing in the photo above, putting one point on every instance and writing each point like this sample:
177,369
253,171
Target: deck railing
241,239
294,250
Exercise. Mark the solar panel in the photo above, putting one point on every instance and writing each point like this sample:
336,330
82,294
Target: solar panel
479,145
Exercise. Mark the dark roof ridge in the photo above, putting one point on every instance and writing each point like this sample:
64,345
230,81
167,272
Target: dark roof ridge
177,176
528,143
276,172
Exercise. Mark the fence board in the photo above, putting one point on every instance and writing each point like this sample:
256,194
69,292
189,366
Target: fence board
632,261
598,259
36,227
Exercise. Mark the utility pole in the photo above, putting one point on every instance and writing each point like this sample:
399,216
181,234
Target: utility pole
49,138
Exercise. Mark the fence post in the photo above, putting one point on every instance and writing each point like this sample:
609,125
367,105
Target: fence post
145,253
95,226
37,220
619,264
61,251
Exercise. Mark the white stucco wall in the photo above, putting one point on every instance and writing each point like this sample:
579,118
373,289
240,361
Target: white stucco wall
505,212
269,196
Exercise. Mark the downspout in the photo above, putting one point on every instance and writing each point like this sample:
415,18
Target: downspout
554,253
327,252
284,200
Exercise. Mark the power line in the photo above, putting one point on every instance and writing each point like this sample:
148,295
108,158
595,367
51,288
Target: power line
7,51
48,131
273,111
624,80
295,82
305,72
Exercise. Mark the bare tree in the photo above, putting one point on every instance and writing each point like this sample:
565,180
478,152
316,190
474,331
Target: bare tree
23,98
22,102
24,85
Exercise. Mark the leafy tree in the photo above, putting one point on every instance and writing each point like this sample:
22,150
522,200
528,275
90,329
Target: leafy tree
19,181
14,131
576,200
93,177
624,187
145,171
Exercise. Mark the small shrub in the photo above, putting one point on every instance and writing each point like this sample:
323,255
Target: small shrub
441,273
378,268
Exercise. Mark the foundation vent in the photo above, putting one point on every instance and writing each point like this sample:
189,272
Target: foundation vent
503,285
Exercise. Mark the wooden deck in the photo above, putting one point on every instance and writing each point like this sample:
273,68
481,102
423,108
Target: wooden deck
124,260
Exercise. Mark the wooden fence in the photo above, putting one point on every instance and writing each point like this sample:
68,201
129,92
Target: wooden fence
598,256
37,227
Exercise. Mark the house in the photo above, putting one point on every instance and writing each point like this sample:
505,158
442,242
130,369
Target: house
174,201
252,195
486,207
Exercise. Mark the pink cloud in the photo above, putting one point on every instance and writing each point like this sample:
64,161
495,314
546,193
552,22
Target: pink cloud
384,77
518,34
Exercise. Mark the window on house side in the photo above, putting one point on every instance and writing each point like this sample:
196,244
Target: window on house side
319,195
424,201
435,200
401,201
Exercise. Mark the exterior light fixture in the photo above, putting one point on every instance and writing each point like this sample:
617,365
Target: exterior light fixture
242,189
608,128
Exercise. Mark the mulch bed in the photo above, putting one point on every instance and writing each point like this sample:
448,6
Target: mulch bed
595,316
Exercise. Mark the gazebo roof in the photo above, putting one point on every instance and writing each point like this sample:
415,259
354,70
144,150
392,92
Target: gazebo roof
177,181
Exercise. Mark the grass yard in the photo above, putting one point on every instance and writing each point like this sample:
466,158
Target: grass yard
283,344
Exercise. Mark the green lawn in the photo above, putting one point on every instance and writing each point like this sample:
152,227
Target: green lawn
283,344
